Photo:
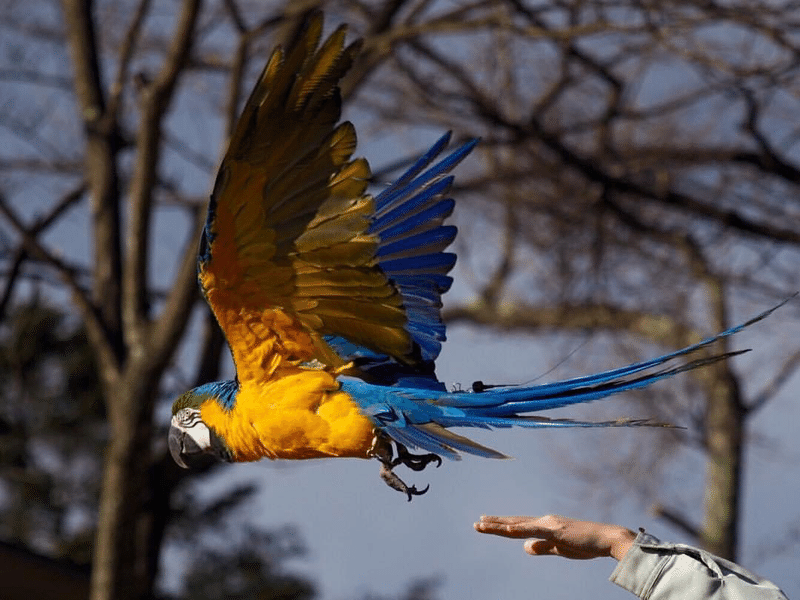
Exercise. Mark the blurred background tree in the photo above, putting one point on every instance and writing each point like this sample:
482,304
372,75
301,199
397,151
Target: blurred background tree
50,400
638,177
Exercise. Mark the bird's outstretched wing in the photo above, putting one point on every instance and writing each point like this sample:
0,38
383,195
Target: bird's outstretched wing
294,250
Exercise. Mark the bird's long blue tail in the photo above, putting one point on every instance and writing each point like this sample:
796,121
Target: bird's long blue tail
419,418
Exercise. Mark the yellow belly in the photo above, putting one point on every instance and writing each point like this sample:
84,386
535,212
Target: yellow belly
299,413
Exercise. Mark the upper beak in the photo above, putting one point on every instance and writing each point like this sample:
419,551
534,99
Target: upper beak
176,441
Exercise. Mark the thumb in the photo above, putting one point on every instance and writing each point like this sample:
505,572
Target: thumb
539,547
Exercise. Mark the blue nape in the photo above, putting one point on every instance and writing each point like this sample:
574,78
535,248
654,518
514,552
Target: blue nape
223,391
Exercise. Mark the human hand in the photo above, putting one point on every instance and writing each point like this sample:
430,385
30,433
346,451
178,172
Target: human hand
562,536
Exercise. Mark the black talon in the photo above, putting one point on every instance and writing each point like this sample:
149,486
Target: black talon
382,450
413,491
415,462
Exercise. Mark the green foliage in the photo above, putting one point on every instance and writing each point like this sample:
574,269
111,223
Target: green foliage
250,570
418,589
51,433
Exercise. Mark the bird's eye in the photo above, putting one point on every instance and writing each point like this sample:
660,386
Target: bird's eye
188,416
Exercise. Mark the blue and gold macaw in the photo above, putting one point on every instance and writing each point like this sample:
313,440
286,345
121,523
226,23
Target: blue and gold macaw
330,298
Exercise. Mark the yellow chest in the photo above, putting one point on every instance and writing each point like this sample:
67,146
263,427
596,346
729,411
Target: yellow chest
299,413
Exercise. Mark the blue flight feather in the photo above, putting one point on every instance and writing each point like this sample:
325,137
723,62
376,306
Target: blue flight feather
431,174
406,211
421,242
408,222
390,193
420,265
433,285
433,214
350,351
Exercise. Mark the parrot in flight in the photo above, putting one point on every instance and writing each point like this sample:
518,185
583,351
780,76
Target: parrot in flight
330,297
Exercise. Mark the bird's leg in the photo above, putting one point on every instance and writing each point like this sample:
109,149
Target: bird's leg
382,450
393,481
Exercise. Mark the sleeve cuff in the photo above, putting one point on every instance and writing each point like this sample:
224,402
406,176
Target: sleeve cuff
638,571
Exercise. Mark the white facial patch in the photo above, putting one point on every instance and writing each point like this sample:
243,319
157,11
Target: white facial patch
188,420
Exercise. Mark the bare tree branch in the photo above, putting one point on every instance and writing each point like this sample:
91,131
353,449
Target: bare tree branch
789,367
677,520
573,317
155,100
35,77
40,165
37,228
126,55
166,330
101,169
89,313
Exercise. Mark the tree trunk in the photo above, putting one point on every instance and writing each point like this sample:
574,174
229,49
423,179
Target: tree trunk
724,429
120,563
724,426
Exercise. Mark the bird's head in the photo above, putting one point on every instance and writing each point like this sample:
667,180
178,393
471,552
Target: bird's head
192,443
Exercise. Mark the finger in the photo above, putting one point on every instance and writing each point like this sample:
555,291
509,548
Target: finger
520,527
543,521
505,520
539,547
512,527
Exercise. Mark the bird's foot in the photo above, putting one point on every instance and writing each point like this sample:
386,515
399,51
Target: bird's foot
382,450
393,481
415,462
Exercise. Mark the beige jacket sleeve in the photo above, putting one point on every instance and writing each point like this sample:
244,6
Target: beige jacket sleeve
656,571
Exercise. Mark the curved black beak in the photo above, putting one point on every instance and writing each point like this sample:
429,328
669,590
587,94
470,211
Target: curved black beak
187,453
176,441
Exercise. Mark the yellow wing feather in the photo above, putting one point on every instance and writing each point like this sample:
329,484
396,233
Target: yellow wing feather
288,256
